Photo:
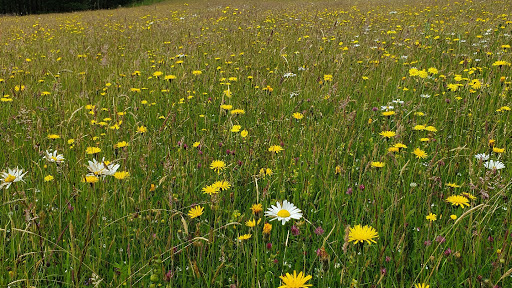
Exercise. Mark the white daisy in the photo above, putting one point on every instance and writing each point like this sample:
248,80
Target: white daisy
12,175
284,212
494,165
482,156
53,157
102,168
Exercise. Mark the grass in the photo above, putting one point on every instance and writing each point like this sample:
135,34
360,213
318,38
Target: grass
97,78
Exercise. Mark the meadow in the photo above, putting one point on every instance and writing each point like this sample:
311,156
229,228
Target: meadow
258,144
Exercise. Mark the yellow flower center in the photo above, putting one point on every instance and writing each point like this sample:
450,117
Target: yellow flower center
10,178
54,158
283,213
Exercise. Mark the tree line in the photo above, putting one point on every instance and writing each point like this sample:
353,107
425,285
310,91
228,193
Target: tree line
25,7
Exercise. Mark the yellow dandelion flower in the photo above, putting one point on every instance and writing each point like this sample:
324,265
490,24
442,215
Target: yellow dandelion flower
195,212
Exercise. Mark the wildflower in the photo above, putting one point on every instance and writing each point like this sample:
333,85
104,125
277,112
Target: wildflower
142,129
237,111
267,227
222,185
431,217
53,136
420,153
251,223
453,216
236,128
53,157
458,200
421,285
388,113
482,156
197,72
211,189
121,144
431,129
12,175
169,77
337,170
378,164
157,74
121,175
498,150
453,185
295,281
226,107
501,63
48,178
359,234
92,150
244,237
275,148
218,165
102,168
419,127
298,115
400,146
468,195
387,134
494,165
284,212
91,179
244,133
195,212
256,208
328,77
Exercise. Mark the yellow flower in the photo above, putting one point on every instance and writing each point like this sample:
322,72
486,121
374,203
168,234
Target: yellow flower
498,150
419,127
431,217
431,129
121,144
421,285
244,133
453,185
48,178
295,281
267,227
275,148
250,223
120,175
222,185
387,134
142,129
211,189
458,200
327,77
169,77
218,165
237,111
388,113
53,136
195,212
298,115
157,74
244,237
453,216
92,150
378,164
197,72
226,107
256,208
236,128
91,179
360,234
420,153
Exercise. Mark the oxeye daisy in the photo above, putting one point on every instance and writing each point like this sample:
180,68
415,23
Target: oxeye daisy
494,165
11,176
284,212
53,157
295,281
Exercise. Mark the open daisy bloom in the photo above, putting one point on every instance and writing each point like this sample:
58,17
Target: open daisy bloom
295,281
12,175
53,157
102,168
284,212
